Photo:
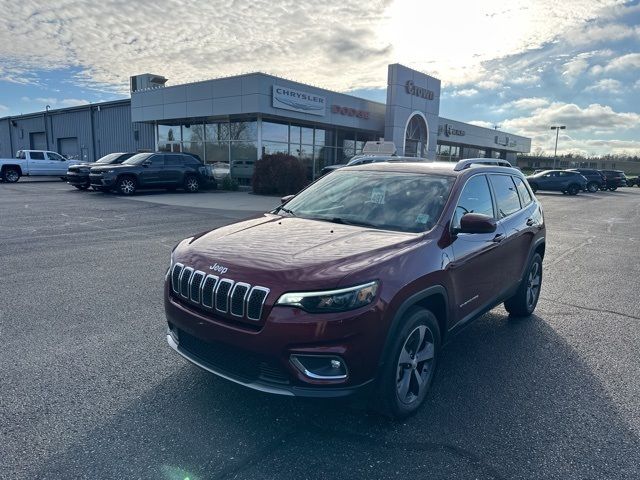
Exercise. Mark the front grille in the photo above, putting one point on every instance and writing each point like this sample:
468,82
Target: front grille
236,363
223,295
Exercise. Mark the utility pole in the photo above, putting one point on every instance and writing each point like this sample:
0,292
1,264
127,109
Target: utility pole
557,128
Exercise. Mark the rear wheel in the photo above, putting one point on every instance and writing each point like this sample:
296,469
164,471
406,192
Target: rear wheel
11,175
592,187
410,364
573,189
191,184
613,189
524,302
127,185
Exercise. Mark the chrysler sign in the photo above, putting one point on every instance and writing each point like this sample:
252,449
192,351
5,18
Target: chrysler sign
298,101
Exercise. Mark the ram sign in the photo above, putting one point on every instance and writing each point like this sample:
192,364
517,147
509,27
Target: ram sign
298,101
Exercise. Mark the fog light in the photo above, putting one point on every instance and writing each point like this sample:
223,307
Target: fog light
173,331
320,367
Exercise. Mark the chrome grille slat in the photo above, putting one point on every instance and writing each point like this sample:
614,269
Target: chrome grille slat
212,293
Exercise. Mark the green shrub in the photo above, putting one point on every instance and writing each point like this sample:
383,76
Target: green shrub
229,183
278,174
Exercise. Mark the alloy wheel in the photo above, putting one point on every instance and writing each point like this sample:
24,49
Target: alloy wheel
533,285
415,364
127,186
192,184
11,176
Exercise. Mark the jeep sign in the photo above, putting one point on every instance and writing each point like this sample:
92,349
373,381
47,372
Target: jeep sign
305,102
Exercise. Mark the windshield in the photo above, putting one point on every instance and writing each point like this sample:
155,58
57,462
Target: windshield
137,159
108,158
406,202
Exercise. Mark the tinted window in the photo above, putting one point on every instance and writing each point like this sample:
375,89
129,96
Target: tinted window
523,191
137,159
475,198
174,160
55,156
506,195
157,160
37,155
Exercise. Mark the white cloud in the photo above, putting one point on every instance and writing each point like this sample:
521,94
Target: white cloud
577,119
55,102
481,123
636,86
593,33
3,108
73,102
623,63
606,85
467,92
532,103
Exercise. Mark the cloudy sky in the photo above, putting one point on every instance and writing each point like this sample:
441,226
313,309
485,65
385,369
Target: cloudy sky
523,64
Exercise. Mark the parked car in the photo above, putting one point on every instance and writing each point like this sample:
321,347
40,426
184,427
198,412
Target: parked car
357,281
78,175
360,160
633,181
615,179
153,170
558,181
34,163
596,180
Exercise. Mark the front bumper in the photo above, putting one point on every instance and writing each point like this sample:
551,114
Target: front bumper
101,181
259,357
74,178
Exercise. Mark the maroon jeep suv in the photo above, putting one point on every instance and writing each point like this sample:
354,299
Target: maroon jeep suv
356,282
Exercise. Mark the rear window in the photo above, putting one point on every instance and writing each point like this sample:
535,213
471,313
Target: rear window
523,191
506,195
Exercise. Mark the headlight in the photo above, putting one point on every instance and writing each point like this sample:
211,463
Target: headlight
331,300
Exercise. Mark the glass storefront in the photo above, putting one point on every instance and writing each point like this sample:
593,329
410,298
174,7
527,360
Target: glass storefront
236,142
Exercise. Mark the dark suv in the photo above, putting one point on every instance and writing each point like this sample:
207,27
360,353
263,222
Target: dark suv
356,282
559,181
78,175
152,170
596,180
615,179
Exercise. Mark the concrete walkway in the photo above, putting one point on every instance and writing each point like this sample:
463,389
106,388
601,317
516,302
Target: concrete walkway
216,199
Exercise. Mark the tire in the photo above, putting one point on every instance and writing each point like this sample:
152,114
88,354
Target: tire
191,184
592,187
613,189
524,302
126,185
400,393
82,187
11,175
534,187
573,189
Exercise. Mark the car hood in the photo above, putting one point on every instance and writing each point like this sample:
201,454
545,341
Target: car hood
290,252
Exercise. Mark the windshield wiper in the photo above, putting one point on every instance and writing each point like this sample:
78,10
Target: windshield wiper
286,210
342,221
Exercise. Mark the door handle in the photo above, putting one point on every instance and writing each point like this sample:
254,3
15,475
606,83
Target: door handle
530,222
498,238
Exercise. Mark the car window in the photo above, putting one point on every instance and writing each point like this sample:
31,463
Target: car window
37,155
174,160
506,195
55,156
157,160
523,191
475,198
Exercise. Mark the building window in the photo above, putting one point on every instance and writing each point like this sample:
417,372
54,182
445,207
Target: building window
416,137
276,132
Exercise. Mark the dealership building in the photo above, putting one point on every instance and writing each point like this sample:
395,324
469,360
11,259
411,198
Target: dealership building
239,119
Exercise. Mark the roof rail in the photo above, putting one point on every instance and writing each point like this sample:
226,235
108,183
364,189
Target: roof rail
468,162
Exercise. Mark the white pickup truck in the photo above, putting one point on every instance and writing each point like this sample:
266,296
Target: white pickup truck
34,162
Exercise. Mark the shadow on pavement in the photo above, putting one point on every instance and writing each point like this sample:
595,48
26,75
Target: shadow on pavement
511,400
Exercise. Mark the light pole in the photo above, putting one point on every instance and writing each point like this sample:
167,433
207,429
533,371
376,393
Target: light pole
557,128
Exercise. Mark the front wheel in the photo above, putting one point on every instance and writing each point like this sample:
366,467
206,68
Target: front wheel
11,175
524,302
410,364
191,184
592,187
573,189
127,186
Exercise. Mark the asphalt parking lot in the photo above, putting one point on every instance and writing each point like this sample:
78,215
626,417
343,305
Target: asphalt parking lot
89,388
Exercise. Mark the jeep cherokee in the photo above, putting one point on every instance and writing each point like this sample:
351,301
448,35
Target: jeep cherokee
357,281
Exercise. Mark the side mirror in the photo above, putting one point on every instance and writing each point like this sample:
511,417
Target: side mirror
286,199
477,223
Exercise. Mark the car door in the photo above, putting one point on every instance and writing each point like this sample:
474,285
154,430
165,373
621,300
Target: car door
548,181
476,270
57,164
173,170
152,171
516,223
37,163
